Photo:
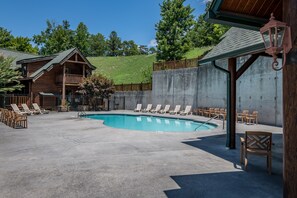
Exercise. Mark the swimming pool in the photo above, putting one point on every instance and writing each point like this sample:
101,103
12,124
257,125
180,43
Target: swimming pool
151,123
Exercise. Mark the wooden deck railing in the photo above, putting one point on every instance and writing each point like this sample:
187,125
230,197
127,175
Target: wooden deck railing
14,99
186,63
134,87
70,79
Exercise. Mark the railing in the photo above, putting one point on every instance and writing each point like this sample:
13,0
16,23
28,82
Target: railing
70,79
8,99
134,87
186,63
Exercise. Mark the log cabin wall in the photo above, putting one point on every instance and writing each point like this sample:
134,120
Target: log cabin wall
32,67
47,83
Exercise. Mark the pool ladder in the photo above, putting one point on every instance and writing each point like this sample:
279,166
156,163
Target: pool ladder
206,122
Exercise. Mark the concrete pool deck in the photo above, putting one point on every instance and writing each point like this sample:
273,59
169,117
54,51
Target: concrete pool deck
60,155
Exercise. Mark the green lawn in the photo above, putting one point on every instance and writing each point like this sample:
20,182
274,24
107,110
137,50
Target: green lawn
128,69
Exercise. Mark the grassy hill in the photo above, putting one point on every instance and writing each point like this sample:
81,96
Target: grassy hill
128,69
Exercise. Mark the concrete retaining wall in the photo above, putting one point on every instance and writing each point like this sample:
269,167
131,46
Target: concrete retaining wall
259,88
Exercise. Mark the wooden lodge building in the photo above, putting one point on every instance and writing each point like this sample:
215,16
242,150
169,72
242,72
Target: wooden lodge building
49,80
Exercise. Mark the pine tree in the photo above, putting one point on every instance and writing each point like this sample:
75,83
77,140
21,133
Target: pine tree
172,30
81,38
114,44
9,78
97,45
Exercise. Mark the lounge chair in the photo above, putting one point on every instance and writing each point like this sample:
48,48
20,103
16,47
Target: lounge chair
176,110
29,111
187,110
138,108
165,110
157,109
148,108
37,108
257,143
17,110
242,115
252,117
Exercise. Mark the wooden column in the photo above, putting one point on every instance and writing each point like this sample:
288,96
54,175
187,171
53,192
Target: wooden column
290,104
232,131
84,70
63,86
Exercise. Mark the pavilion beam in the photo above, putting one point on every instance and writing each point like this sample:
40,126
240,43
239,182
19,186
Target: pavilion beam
64,87
290,105
246,65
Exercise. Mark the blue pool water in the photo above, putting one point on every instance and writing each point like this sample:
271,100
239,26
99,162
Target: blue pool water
150,123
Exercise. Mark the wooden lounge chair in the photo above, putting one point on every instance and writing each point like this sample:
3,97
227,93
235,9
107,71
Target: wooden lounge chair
242,116
157,109
165,110
187,110
257,143
17,110
208,112
176,110
148,108
19,120
252,118
29,111
37,108
138,108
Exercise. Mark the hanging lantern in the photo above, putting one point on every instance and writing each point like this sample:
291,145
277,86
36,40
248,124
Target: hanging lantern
277,39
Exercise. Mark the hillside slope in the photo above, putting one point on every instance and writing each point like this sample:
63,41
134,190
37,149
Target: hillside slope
128,69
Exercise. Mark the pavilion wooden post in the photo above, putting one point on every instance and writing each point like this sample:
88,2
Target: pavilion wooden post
84,71
232,118
63,86
290,104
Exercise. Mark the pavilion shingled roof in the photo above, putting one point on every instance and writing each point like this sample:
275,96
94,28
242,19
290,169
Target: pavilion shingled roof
236,42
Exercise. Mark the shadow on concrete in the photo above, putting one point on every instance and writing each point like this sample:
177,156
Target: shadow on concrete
255,182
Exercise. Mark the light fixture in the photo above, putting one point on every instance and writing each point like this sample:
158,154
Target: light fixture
277,39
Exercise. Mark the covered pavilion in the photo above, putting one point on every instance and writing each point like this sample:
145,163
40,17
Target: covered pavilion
253,14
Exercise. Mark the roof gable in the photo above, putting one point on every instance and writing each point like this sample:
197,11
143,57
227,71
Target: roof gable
59,58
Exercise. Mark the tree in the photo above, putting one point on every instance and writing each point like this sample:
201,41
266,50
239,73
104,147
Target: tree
96,87
55,38
97,45
143,50
129,48
206,34
152,50
23,44
114,44
9,78
5,38
81,38
173,30
147,74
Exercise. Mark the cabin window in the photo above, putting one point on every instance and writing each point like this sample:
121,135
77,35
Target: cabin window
24,70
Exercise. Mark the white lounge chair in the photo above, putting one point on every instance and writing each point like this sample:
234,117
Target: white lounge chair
166,109
138,108
187,110
17,110
157,109
28,111
148,108
37,108
176,110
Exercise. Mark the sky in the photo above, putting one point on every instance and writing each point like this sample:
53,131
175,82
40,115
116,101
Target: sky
131,19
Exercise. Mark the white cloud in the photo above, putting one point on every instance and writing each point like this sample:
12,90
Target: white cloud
153,43
206,1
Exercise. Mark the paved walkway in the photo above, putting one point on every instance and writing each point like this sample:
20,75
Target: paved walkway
63,156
